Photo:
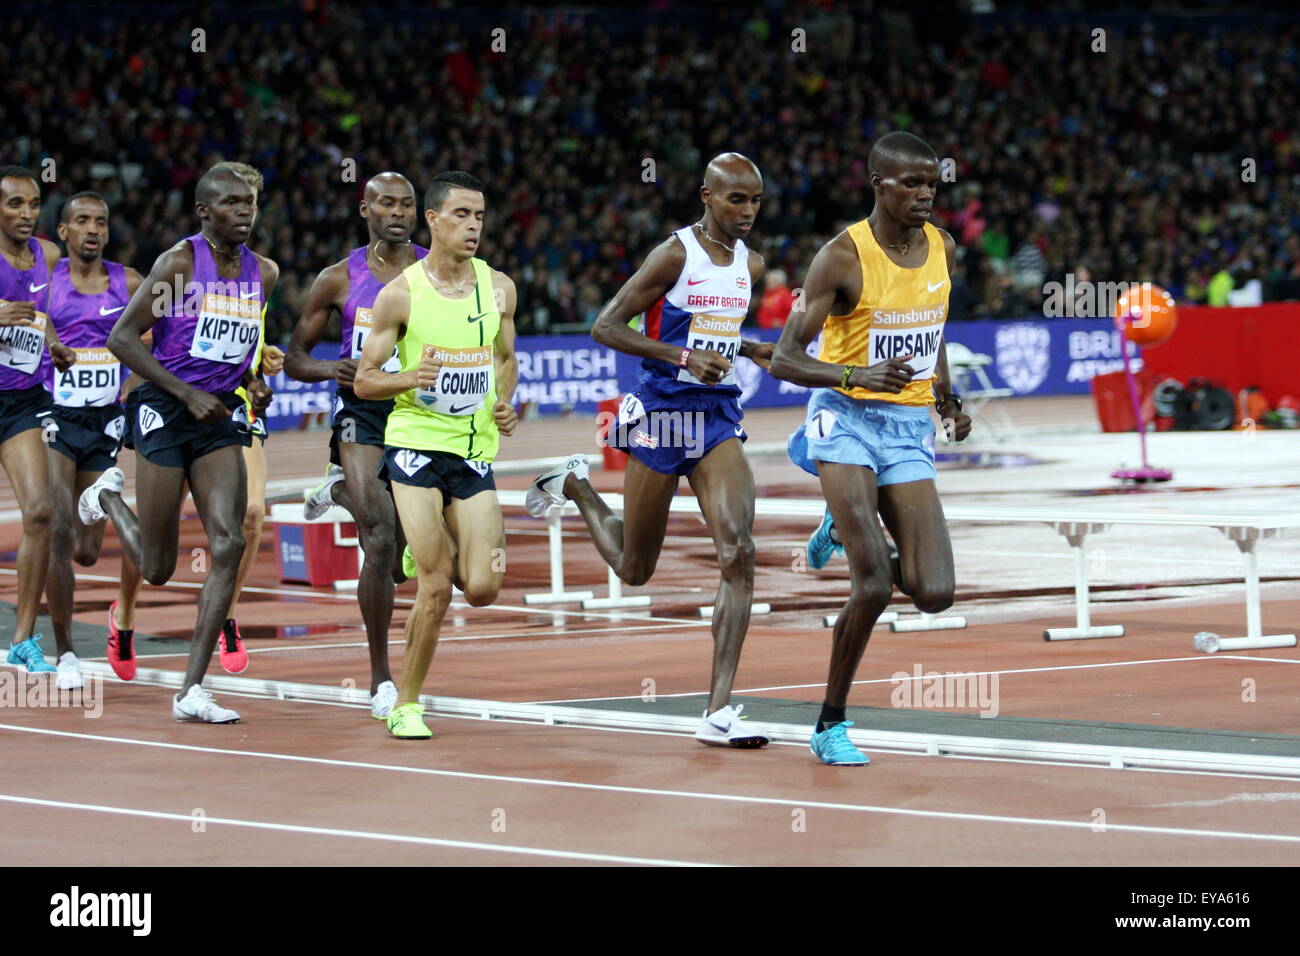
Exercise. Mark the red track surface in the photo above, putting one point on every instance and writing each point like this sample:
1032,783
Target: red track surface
484,792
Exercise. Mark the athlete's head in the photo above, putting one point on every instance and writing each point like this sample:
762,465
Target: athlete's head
732,191
904,173
389,207
84,226
454,208
225,204
20,203
249,174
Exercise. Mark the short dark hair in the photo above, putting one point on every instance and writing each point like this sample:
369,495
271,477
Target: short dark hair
444,183
896,147
19,172
206,189
85,194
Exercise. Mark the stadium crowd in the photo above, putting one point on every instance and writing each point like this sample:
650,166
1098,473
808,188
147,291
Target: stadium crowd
1171,156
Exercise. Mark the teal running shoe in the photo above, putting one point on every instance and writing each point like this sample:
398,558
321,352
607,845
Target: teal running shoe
832,746
28,654
821,548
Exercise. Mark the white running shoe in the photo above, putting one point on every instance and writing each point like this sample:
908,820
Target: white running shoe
548,489
89,509
198,705
69,675
382,700
321,498
726,728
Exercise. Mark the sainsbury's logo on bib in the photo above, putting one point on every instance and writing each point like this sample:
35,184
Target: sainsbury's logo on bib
463,383
94,380
916,332
717,333
227,328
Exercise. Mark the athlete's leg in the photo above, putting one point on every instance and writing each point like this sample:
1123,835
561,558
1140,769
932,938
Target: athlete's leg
914,515
24,460
421,511
254,515
220,490
367,498
89,538
850,492
59,584
478,541
724,486
630,544
150,540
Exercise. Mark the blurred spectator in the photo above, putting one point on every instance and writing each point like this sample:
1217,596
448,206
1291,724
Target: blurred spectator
1133,162
777,299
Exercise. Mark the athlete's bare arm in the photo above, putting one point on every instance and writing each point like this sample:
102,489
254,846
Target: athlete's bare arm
657,275
391,310
63,356
752,349
503,354
329,291
956,424
834,283
172,272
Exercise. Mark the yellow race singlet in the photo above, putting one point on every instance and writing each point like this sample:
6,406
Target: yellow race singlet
456,414
901,312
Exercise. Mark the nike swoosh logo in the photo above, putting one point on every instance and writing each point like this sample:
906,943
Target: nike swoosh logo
235,354
475,318
103,311
457,409
935,287
36,288
695,281
249,296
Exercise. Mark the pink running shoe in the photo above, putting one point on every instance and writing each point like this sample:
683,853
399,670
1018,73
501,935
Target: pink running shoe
231,647
121,647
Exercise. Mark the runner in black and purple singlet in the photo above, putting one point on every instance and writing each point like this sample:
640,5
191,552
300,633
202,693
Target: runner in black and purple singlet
203,301
25,336
87,296
354,478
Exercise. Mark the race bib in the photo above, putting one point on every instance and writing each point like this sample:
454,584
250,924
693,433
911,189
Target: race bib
362,326
718,333
463,383
228,328
148,419
480,468
116,428
21,345
915,332
96,379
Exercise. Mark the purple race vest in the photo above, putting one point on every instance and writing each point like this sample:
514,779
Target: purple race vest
363,288
23,356
209,338
83,323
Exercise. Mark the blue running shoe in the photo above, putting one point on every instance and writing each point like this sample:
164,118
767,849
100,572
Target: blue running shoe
28,653
832,746
821,548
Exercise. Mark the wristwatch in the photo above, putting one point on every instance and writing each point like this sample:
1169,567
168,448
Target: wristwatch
950,397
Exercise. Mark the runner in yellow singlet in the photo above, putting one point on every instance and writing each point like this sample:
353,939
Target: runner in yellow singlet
451,318
878,294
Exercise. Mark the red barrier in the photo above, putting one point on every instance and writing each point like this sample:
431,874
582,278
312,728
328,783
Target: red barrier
1237,347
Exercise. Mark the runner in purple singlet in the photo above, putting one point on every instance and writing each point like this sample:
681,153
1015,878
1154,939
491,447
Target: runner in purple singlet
203,301
353,479
25,336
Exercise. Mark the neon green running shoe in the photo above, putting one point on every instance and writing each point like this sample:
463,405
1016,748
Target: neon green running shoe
408,564
407,723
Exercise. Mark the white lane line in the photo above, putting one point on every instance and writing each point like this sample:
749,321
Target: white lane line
442,640
912,676
685,794
355,834
352,599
